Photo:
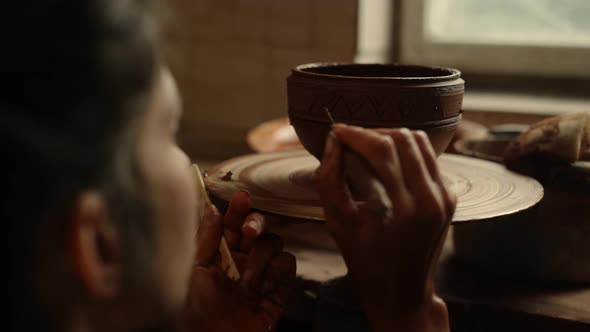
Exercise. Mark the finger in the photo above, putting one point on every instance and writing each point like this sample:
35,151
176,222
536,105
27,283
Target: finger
274,305
272,315
434,257
428,154
430,159
333,191
265,247
416,175
252,228
381,153
205,283
281,272
209,236
238,209
241,260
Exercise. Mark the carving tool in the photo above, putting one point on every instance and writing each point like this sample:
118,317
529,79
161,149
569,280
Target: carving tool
227,261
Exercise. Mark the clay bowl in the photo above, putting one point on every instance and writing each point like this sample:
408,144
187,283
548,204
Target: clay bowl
374,96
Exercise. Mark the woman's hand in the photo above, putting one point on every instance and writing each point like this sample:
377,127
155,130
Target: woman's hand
392,263
255,302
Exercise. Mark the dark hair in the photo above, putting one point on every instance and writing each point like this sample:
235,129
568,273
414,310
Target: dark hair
75,74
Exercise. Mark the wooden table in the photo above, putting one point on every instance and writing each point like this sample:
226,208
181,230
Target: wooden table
477,301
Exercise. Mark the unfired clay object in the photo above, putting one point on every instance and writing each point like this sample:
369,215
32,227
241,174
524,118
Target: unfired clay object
278,135
282,183
374,96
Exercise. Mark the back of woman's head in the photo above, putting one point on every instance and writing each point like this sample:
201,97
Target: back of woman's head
75,74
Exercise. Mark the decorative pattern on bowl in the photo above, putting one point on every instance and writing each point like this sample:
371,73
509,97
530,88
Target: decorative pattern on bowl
369,95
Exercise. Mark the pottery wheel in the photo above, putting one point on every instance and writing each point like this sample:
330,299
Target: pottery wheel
282,183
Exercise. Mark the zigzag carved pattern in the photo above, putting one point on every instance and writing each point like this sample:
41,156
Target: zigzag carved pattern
389,108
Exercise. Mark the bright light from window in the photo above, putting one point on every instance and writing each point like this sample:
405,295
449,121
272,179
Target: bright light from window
558,23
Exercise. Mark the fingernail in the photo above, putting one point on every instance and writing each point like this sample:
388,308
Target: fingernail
210,215
405,132
347,127
330,143
254,225
212,211
246,192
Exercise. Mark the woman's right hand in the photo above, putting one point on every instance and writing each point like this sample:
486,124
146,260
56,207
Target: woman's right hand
392,263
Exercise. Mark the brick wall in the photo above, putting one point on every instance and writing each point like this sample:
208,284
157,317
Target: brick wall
231,58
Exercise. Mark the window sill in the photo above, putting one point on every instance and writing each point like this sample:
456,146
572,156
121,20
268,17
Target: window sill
478,101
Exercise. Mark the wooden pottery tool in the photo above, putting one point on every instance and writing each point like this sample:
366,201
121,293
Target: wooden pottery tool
227,262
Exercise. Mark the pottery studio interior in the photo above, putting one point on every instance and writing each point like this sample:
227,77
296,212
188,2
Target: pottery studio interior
425,164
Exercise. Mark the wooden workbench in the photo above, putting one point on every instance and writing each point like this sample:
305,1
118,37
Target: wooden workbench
477,301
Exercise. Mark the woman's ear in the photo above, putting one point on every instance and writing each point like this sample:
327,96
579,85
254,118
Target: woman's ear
95,246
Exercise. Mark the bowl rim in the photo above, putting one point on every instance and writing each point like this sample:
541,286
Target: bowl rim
302,70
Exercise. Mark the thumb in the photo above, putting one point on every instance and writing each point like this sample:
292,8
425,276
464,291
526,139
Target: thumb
209,236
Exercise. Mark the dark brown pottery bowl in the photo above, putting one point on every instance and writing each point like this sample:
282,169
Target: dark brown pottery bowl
374,96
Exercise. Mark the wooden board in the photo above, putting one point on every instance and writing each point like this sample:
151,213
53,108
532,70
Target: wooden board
483,301
282,183
477,301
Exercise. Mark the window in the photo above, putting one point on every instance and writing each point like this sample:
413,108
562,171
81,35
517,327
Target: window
517,56
525,37
510,22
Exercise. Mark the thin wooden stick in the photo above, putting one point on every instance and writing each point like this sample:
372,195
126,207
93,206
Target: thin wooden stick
329,115
227,261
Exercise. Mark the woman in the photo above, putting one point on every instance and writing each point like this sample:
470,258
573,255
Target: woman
102,204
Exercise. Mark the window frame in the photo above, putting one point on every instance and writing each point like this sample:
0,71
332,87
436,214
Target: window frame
484,59
379,41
